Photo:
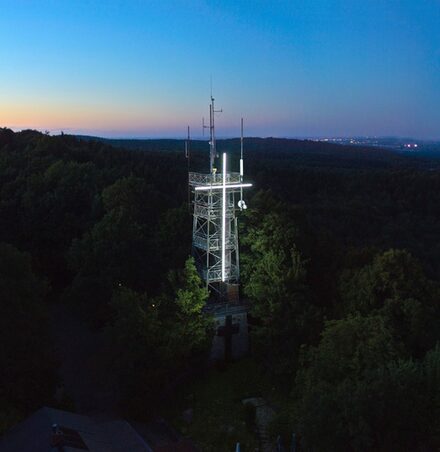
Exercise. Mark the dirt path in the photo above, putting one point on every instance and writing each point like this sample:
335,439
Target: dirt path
82,355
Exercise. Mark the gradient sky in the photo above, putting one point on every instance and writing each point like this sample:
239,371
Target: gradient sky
139,68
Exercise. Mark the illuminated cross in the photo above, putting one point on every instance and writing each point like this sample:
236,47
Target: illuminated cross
224,187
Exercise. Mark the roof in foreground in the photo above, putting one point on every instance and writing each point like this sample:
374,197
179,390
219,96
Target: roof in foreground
84,433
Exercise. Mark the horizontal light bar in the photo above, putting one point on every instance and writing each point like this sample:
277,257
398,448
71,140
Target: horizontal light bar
220,187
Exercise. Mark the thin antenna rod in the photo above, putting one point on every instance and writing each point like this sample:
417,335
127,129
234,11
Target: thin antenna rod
188,156
213,151
241,140
211,130
187,144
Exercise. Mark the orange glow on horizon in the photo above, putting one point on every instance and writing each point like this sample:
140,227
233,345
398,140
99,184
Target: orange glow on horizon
104,118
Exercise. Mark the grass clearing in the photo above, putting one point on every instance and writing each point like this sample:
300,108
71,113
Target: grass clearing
219,418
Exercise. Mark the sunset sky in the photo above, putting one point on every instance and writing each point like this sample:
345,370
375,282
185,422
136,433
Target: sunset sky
139,68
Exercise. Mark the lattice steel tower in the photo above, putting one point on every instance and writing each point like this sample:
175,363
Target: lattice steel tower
215,232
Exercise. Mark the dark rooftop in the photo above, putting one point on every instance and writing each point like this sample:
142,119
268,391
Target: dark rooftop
85,433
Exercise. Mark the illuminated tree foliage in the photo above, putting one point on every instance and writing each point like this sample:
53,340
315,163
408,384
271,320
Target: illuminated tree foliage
155,340
395,287
274,279
355,392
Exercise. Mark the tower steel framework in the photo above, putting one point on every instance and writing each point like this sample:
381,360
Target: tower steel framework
215,231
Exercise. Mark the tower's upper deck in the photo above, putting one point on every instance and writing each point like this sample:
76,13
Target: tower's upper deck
214,179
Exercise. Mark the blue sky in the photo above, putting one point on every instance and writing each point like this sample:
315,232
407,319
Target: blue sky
291,68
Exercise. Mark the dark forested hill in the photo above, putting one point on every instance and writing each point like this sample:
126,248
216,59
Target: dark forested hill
305,151
360,195
54,191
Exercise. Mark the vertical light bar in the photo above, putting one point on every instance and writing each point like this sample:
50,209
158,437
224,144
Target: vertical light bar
241,152
241,163
224,219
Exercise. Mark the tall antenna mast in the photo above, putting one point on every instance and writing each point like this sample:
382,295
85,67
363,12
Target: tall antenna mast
212,143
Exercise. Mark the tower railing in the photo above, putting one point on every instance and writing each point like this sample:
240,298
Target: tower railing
206,211
196,179
212,243
214,274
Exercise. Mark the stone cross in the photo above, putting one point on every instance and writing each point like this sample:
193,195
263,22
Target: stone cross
227,331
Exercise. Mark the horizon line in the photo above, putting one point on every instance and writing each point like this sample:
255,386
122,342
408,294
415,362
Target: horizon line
59,132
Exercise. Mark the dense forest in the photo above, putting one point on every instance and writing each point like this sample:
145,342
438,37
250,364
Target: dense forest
340,255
